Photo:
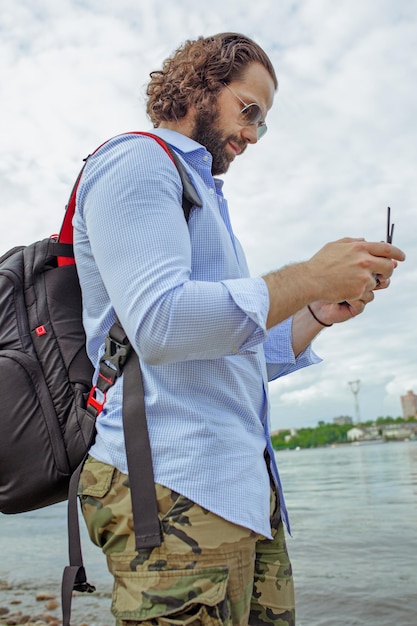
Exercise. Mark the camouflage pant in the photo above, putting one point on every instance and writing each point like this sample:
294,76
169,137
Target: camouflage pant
207,571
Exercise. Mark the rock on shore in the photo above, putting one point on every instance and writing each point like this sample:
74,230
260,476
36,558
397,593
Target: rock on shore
27,607
15,613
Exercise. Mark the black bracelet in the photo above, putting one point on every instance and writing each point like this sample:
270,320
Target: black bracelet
316,318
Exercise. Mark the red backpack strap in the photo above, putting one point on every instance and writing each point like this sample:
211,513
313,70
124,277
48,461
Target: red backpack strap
66,234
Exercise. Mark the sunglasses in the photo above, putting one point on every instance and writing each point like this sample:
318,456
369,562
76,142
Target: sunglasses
251,114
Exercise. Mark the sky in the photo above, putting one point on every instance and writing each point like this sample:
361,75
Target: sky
341,147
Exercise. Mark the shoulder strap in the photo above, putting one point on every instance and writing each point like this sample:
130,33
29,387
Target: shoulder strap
120,358
190,196
141,477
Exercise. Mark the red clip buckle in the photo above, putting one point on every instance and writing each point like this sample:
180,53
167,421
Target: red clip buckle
92,401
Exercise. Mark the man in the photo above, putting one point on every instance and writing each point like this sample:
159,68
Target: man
209,338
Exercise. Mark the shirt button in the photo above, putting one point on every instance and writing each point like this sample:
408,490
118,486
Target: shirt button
211,191
205,158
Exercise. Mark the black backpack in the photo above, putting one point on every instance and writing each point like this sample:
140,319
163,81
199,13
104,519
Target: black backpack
47,404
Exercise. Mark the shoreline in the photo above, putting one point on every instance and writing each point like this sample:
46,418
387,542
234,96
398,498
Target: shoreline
27,605
19,606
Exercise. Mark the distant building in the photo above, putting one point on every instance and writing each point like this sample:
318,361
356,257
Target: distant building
386,432
342,420
400,431
409,405
355,434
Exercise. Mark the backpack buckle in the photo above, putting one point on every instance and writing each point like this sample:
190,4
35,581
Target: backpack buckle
111,367
116,354
93,405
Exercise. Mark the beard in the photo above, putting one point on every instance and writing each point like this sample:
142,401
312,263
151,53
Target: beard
207,133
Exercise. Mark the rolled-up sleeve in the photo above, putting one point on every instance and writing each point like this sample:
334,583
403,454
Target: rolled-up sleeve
279,354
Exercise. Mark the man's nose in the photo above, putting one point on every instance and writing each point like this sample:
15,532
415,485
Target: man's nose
250,133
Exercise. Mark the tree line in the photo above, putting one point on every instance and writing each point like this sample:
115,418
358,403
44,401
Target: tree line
325,434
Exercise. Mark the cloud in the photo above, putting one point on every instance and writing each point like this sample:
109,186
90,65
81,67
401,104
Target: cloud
341,146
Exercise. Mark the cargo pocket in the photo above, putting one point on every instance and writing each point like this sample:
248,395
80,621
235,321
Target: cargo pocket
96,479
101,497
172,597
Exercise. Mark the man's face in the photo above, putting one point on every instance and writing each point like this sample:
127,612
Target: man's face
220,128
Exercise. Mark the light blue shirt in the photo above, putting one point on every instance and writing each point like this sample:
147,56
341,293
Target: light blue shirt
198,321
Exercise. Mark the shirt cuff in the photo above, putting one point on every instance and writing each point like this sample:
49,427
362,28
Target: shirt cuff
279,354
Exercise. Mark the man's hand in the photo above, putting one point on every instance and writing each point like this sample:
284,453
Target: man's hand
352,267
330,313
343,271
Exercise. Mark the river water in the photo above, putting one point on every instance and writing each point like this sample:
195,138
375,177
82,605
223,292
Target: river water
354,547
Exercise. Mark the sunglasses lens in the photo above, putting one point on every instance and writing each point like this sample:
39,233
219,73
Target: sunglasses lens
251,114
262,128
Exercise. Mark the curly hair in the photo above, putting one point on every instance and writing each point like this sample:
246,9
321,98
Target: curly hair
196,71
